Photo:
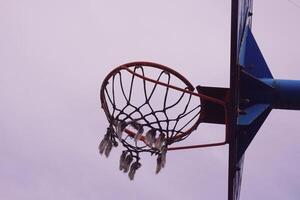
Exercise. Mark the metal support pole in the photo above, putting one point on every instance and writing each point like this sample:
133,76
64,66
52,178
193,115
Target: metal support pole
286,93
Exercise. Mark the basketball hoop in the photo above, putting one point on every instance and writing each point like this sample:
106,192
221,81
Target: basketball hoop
163,110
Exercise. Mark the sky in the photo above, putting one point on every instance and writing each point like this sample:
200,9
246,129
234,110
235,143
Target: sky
53,58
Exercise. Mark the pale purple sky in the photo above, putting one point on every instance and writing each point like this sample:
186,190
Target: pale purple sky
53,57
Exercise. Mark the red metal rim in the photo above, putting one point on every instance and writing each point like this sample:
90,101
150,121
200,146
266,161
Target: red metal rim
189,89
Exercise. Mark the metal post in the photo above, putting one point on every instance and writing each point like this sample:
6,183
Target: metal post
286,93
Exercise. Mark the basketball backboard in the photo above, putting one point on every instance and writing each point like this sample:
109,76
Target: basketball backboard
241,12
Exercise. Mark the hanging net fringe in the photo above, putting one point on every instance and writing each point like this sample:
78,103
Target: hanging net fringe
146,112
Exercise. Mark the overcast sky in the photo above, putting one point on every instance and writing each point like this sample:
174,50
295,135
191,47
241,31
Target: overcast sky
53,58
